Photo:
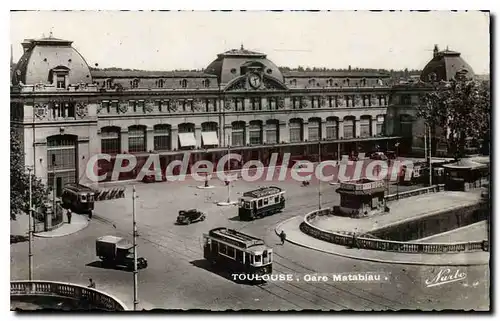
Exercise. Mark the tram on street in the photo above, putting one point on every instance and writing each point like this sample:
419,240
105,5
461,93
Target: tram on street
79,198
261,202
237,252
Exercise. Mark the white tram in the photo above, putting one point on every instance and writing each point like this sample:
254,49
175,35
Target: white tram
237,252
261,202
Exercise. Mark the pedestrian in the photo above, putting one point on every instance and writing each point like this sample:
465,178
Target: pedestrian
355,240
282,237
91,284
68,214
90,215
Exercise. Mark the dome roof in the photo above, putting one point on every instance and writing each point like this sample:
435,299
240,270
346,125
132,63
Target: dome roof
42,56
235,63
444,66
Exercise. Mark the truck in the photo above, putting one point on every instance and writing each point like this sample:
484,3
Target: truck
116,251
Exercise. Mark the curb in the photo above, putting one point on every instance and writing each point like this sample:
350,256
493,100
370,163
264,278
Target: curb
61,235
370,259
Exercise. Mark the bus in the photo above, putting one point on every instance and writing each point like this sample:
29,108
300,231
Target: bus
261,202
79,198
239,253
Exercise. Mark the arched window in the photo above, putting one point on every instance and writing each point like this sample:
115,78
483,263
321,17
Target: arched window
272,131
296,133
365,126
255,132
380,124
137,139
330,82
62,161
314,129
162,137
238,133
349,127
332,128
111,140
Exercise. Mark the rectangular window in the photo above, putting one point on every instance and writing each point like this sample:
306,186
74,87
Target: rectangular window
140,105
222,248
255,136
380,128
230,252
364,128
238,138
331,130
136,140
348,129
266,201
106,106
114,106
132,105
259,203
314,131
61,81
295,132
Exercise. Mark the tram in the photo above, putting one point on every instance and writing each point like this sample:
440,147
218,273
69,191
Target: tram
238,253
261,202
79,198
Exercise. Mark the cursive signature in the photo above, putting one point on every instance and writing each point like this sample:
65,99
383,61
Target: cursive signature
446,276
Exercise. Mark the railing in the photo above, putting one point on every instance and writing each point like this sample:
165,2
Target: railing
415,192
95,298
349,239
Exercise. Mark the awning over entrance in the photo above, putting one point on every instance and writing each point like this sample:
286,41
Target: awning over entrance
187,139
210,138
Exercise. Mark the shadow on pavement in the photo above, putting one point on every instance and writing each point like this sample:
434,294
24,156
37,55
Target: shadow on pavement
235,218
18,239
99,264
207,266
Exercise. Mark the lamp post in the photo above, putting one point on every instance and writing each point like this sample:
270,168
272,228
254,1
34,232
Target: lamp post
319,178
228,182
30,229
53,183
134,226
397,181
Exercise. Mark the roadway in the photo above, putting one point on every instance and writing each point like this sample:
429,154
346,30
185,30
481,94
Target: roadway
178,278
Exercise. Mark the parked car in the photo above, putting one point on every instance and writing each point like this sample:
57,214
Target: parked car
186,217
152,178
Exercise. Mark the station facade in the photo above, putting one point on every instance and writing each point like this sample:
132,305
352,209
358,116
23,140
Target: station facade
65,111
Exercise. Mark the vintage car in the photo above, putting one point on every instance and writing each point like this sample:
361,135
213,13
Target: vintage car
378,156
116,251
152,178
190,216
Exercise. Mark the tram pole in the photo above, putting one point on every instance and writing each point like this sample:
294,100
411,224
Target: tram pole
430,157
229,170
136,301
319,176
30,228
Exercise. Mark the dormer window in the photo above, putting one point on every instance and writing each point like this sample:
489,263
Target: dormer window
59,77
160,83
312,82
206,83
329,82
184,83
134,83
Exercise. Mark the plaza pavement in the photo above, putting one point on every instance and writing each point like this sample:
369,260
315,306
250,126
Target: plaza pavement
20,226
178,278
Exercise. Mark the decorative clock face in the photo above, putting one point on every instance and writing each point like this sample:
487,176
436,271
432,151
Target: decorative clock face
254,80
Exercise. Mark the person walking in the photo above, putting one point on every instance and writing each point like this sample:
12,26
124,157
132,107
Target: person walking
68,214
282,237
91,284
90,215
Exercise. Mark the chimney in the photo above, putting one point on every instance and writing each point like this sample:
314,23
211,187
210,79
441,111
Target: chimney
436,50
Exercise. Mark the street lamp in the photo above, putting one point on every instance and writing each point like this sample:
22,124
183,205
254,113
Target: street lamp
228,182
134,226
30,230
397,181
54,183
319,176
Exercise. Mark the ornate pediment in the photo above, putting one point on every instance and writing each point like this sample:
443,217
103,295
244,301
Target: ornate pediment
268,83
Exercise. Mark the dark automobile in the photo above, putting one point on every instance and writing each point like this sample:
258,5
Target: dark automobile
190,216
378,156
152,178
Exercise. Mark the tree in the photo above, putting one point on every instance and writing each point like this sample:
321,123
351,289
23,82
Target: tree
462,108
19,181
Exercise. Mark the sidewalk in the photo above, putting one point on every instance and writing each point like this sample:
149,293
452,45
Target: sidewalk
296,236
78,223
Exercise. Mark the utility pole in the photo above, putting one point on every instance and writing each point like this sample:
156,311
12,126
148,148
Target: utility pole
425,143
30,229
430,157
397,182
53,183
319,178
136,301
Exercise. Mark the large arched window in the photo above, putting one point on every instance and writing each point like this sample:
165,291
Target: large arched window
349,127
209,135
238,133
137,139
332,128
406,125
111,140
314,129
272,131
296,133
365,127
162,137
62,161
255,132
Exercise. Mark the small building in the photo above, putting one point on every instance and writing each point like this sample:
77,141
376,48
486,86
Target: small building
361,198
465,174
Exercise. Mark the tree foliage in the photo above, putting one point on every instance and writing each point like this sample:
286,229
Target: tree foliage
19,181
462,108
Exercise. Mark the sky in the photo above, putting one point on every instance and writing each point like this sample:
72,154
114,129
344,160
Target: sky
191,40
